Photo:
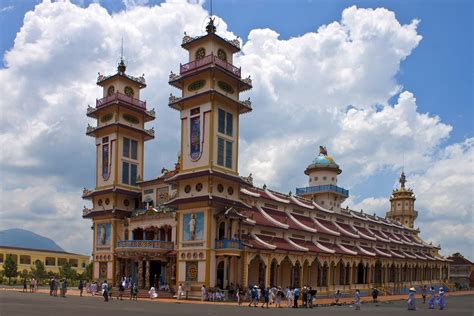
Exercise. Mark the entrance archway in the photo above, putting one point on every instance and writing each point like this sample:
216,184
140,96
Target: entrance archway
220,275
378,272
257,270
360,273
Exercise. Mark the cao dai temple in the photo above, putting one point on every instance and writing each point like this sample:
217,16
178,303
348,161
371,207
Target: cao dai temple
203,223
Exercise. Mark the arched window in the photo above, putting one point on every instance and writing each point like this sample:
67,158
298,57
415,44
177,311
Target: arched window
221,55
221,233
200,53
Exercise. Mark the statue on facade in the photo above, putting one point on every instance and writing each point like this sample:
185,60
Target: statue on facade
323,150
192,227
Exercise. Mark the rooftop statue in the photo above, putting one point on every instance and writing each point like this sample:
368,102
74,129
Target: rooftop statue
323,150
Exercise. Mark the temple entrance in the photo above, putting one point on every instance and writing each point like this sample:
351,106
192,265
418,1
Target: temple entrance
360,273
156,278
378,272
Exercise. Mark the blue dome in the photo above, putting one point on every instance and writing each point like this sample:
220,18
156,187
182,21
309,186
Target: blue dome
323,160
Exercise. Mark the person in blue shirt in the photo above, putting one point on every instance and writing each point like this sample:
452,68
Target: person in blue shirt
253,296
296,295
432,299
411,299
441,299
357,300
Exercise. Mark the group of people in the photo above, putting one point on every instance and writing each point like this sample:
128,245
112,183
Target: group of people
33,285
276,295
55,284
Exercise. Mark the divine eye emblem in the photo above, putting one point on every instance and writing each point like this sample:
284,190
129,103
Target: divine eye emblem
200,53
129,91
225,86
196,85
107,117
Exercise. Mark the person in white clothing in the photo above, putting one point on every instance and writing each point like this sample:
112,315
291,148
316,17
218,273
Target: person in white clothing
153,293
203,293
180,292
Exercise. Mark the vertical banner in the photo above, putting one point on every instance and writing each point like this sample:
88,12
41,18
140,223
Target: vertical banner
105,161
195,134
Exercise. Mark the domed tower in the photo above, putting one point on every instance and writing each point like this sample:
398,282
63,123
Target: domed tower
322,184
402,204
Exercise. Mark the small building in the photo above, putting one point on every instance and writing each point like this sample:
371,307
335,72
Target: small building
460,271
26,258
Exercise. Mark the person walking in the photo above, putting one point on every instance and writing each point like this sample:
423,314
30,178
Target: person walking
289,297
357,300
133,292
80,287
278,297
375,295
296,296
312,296
254,296
337,297
441,299
411,299
432,299
203,293
266,296
180,292
105,291
423,293
32,285
24,285
64,288
55,287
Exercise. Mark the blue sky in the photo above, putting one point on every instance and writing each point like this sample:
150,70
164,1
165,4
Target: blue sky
436,71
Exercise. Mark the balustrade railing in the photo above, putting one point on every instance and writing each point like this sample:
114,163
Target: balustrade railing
151,244
321,188
228,244
117,96
209,59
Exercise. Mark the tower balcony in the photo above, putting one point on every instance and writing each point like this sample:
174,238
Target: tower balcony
209,60
323,188
229,244
175,102
116,97
93,131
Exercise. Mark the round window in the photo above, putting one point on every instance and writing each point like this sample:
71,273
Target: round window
199,187
324,178
220,188
129,91
99,202
107,201
200,53
221,55
126,202
187,188
107,117
110,90
230,190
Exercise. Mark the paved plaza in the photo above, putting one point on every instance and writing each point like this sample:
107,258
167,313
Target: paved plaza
16,303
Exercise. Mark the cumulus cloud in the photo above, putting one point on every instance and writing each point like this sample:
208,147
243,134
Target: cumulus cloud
331,86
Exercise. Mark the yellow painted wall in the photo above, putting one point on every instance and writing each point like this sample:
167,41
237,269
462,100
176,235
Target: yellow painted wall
82,261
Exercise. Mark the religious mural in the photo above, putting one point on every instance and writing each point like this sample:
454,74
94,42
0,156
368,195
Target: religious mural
105,159
192,271
193,226
195,149
103,234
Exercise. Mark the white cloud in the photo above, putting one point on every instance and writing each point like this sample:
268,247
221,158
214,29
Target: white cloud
330,86
7,8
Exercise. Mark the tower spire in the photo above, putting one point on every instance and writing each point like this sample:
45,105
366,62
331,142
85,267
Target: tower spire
121,66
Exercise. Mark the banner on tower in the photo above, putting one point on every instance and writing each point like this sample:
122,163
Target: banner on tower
195,132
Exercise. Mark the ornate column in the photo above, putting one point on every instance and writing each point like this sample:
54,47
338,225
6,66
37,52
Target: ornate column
127,267
245,275
147,274
140,273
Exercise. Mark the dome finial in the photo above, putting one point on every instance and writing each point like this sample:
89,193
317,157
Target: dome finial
323,150
402,180
210,27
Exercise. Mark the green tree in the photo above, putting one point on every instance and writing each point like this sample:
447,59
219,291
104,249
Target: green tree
38,271
66,271
88,272
10,268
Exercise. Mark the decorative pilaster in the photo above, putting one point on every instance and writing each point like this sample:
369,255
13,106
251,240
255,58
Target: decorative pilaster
245,270
147,274
140,273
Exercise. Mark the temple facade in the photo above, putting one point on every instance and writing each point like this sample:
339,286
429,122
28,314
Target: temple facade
202,223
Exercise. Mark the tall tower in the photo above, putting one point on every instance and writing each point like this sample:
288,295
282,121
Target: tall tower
322,182
208,181
119,138
402,204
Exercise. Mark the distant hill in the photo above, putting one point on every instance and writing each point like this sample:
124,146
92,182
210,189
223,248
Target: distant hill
21,238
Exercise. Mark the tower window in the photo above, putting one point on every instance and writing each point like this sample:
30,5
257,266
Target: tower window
324,178
225,122
224,153
129,91
200,53
130,148
110,90
129,173
316,178
221,55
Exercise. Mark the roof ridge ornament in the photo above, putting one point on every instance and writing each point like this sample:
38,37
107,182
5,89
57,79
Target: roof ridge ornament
210,27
